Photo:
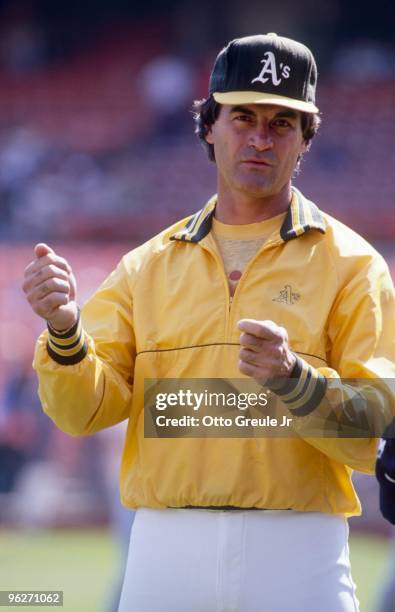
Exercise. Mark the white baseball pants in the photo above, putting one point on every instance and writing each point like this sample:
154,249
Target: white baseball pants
238,561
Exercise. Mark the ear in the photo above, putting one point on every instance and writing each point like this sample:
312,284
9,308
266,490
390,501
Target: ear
209,136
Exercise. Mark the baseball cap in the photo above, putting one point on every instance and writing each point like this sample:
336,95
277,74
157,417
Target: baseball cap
265,69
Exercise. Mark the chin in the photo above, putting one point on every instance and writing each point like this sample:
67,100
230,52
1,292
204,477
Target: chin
259,191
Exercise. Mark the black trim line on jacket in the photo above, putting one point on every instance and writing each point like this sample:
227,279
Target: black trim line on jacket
182,348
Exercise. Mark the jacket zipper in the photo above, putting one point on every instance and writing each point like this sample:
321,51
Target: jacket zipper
230,300
220,265
266,246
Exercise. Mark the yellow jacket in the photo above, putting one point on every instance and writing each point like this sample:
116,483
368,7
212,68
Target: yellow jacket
165,312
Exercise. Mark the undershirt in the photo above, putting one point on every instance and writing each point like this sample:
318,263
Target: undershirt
237,244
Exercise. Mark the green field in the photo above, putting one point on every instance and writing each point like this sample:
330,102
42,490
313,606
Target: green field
81,563
78,562
369,558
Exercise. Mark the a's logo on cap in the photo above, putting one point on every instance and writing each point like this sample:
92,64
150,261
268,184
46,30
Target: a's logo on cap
270,68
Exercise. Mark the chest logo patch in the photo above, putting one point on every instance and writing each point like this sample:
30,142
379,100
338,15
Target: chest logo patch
287,296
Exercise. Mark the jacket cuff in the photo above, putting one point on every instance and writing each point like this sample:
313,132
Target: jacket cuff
68,347
302,391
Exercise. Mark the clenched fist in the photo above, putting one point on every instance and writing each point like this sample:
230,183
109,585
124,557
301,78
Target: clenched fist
264,351
50,288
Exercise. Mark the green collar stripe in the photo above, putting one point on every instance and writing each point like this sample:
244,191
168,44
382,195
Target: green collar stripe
301,217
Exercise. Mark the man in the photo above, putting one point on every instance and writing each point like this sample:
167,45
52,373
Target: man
385,473
259,283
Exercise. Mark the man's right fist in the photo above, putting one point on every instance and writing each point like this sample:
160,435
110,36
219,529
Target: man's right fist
50,288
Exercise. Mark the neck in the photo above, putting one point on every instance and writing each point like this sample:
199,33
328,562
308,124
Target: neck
241,209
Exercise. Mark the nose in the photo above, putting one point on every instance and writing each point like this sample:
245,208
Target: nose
260,137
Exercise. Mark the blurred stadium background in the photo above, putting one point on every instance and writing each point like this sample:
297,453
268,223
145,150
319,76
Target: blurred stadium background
97,153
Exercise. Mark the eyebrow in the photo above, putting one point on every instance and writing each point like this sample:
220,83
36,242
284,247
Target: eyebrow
291,114
287,113
241,109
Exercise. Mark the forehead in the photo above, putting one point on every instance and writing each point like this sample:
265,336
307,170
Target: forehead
262,110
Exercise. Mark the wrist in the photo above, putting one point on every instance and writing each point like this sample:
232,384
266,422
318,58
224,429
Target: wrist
61,330
65,321
302,391
67,347
290,368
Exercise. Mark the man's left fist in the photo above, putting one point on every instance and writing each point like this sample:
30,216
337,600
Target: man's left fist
264,351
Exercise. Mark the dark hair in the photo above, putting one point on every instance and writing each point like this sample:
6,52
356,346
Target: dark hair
206,112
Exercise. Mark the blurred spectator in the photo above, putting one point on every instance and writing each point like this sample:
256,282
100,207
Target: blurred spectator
23,48
22,153
11,462
79,154
364,60
21,437
167,85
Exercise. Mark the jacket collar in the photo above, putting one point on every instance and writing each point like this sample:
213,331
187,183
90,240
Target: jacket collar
301,217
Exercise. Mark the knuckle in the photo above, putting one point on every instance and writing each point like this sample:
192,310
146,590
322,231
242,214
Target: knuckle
64,262
283,333
44,290
40,310
50,260
50,301
244,354
54,272
46,303
59,298
257,343
246,368
61,273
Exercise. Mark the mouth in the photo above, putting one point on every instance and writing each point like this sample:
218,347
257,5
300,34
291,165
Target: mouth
257,163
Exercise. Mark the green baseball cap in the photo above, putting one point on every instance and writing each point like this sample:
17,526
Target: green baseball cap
265,69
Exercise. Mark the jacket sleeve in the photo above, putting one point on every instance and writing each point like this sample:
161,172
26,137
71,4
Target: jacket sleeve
343,409
86,374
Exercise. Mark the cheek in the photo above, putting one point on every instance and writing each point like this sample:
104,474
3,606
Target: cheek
291,155
223,152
